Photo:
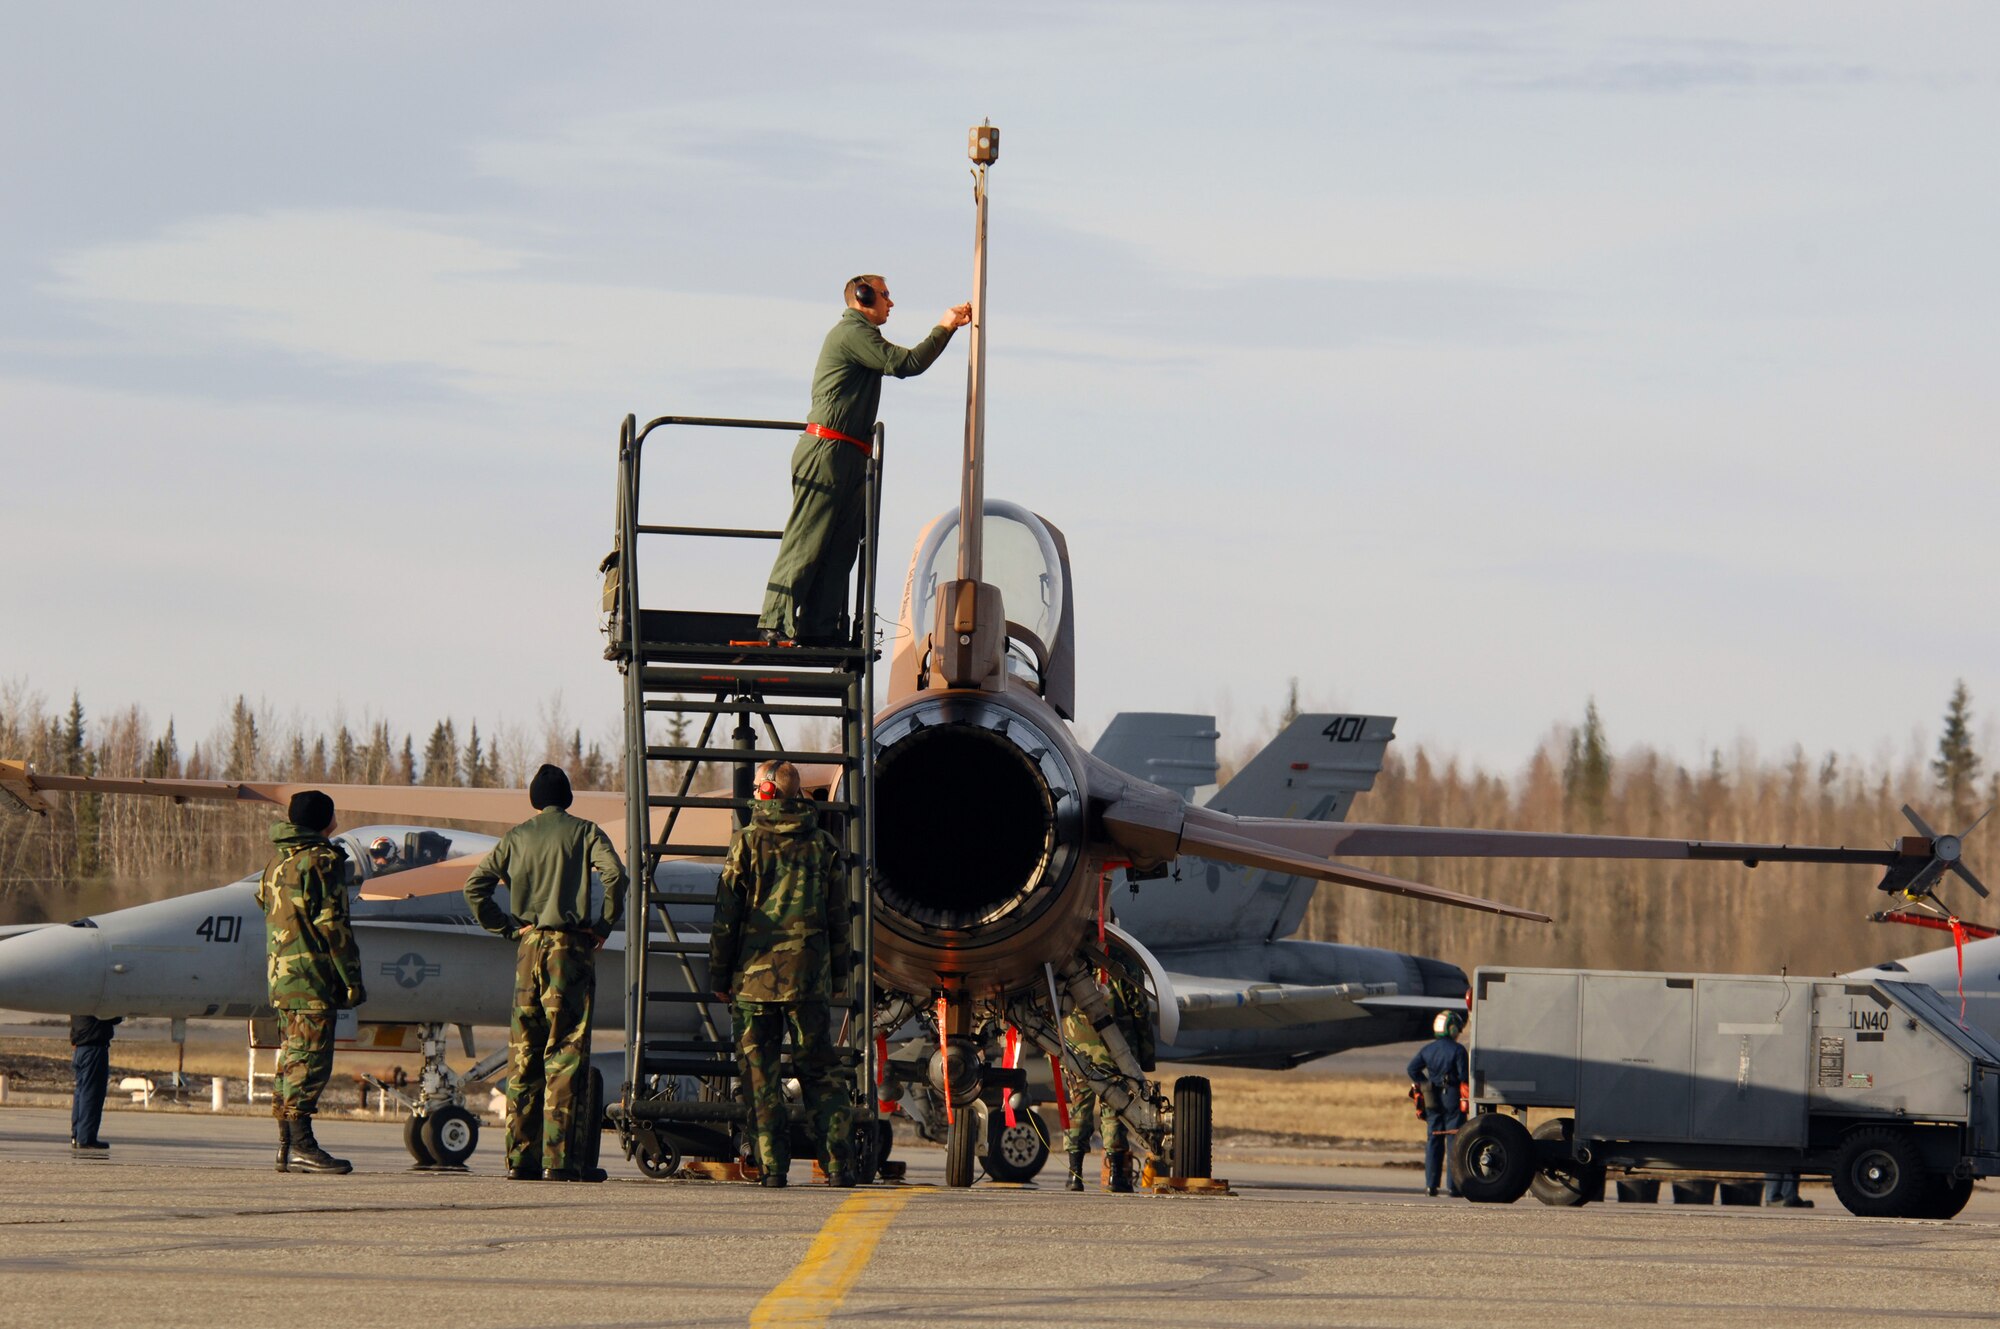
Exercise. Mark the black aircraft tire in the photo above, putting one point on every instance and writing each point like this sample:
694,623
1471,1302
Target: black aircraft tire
1879,1173
1572,1184
1019,1152
864,1157
961,1147
413,1140
1194,1128
1493,1159
450,1135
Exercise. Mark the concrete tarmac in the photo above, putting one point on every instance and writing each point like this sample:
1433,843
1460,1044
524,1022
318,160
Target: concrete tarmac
186,1224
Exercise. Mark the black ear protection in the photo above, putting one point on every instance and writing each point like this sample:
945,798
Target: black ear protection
767,790
864,295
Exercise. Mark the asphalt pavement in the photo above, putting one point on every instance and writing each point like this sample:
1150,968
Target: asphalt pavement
185,1223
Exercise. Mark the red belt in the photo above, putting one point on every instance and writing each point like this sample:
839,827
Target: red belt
821,431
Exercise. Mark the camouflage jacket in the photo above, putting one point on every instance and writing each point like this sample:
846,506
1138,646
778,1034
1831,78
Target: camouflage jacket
781,917
309,942
1126,993
545,863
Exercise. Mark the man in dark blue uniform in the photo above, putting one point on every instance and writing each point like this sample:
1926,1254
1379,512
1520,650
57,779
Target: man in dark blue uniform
91,1039
1437,1071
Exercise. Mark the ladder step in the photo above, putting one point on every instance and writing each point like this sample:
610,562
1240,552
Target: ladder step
689,1045
679,897
667,1109
737,755
701,1067
732,707
730,532
683,996
677,947
714,801
689,850
758,682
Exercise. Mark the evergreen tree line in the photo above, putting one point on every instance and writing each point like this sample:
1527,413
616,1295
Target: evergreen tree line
95,852
1625,914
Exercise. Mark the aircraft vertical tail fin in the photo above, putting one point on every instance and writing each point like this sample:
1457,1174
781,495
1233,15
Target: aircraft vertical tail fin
1312,770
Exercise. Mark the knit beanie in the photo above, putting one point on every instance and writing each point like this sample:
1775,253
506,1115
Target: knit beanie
549,788
310,810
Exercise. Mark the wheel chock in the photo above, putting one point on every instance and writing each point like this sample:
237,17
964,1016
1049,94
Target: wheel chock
1150,1180
716,1169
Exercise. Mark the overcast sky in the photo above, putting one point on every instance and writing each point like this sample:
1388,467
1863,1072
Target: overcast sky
1464,361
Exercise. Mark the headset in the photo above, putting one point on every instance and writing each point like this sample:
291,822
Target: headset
864,294
767,790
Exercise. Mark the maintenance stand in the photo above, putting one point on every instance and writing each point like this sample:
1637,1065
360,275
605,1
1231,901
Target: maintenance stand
682,1097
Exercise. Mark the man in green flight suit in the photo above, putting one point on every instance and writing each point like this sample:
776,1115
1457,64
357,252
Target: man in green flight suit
545,864
314,970
808,586
779,949
1126,994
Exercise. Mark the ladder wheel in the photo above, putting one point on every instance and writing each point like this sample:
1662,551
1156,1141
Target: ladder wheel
657,1156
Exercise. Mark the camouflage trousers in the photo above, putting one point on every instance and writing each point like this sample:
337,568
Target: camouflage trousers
760,1038
548,1046
1087,1113
305,1063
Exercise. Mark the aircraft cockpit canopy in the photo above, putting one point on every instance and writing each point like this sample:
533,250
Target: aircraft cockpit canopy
379,851
1028,560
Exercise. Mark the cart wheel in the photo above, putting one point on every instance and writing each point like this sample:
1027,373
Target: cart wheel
1017,1152
657,1156
1572,1183
1493,1157
1948,1196
1194,1128
961,1147
413,1140
1879,1173
451,1134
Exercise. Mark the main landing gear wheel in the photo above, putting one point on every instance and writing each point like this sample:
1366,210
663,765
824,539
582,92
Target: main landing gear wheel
1493,1157
961,1147
1018,1152
450,1135
1194,1128
1569,1184
413,1140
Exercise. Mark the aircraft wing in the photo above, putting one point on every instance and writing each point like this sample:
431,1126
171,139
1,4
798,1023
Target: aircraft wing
1211,1003
30,790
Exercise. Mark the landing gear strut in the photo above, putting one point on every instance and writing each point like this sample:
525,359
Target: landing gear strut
442,1132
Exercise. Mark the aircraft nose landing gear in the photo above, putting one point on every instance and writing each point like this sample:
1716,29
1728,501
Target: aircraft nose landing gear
441,1132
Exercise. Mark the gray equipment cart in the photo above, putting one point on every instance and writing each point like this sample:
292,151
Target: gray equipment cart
1872,1084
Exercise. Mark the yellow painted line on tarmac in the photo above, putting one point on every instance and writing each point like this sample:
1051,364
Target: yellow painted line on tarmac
815,1289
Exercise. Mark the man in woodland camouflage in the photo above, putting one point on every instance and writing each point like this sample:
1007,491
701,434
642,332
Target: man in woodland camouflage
545,864
779,949
314,970
1126,994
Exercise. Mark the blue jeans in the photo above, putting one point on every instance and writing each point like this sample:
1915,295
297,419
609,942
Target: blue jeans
93,1073
1443,1126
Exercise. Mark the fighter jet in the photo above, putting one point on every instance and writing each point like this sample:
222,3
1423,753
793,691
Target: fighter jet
993,829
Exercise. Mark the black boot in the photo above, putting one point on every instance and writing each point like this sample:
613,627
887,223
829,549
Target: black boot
284,1142
1075,1182
1118,1162
307,1156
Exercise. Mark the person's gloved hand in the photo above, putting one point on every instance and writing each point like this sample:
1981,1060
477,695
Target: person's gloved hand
356,994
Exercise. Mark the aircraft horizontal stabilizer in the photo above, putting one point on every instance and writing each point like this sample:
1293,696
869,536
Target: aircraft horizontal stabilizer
1156,829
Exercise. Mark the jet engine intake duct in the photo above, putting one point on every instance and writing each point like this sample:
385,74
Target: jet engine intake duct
978,818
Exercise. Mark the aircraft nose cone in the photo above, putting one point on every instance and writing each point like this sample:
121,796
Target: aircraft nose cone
54,970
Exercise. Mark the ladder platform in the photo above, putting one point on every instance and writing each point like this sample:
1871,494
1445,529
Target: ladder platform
696,635
737,680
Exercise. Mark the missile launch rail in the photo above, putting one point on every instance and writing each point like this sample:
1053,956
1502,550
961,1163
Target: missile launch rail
682,1097
1873,1083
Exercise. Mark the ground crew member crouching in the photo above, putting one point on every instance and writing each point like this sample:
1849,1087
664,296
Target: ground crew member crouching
779,950
808,584
1126,994
545,864
1437,1072
314,970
